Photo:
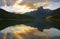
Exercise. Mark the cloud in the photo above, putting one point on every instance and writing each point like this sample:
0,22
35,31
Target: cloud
55,0
36,3
1,4
8,2
28,2
32,4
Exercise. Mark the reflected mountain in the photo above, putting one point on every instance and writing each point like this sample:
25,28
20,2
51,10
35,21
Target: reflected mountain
7,19
39,18
55,18
45,18
40,21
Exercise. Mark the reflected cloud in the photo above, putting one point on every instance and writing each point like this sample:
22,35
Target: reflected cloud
26,32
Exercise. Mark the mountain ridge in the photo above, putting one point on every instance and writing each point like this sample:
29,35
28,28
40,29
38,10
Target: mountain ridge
7,19
39,21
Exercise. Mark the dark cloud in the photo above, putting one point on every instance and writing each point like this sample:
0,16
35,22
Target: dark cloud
1,3
28,2
7,2
55,0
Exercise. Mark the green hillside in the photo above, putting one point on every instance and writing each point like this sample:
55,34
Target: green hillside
55,18
7,19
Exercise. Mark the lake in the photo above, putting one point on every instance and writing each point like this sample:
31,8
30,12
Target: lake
27,30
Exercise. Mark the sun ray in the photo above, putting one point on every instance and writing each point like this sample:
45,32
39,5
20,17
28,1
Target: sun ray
46,1
10,2
5,4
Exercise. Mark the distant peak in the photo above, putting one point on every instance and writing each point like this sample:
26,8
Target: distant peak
41,7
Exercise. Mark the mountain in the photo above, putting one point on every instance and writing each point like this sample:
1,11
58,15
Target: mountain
40,14
40,18
8,15
55,18
7,19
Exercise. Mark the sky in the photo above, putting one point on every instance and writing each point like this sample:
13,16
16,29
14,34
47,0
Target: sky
28,5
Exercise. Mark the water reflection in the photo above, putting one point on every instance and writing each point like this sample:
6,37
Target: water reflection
24,30
7,23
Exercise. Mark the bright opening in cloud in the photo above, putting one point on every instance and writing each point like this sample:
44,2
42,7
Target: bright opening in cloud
20,8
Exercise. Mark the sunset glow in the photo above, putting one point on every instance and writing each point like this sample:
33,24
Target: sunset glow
21,8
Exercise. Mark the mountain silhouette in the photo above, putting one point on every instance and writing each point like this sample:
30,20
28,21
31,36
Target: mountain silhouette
39,17
7,19
9,15
40,14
